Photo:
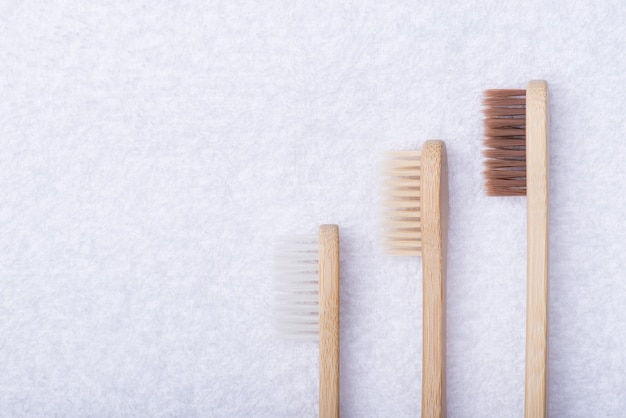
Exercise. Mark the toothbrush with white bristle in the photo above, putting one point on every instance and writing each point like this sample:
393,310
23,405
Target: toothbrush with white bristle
307,303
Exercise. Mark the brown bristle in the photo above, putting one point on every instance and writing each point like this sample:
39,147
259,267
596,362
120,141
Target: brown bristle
505,142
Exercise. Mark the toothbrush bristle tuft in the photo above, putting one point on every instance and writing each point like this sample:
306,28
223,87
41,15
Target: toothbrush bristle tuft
402,226
505,142
297,287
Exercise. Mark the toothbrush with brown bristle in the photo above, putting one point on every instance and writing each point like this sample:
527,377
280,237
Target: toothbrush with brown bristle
416,212
516,138
307,303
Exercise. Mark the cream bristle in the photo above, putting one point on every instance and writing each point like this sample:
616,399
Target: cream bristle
297,287
402,226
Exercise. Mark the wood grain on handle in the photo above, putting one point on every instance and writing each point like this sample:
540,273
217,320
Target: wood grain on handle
433,212
329,320
537,262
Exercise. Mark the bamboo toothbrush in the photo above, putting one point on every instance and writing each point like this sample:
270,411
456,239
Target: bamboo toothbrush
307,303
416,211
516,138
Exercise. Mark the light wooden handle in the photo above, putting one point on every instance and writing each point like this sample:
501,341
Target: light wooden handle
434,206
537,262
329,320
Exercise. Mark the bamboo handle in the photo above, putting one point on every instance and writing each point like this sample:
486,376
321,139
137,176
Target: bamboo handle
433,215
537,263
329,320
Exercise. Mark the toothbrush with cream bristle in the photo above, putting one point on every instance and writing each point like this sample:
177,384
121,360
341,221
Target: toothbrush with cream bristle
307,303
516,142
416,206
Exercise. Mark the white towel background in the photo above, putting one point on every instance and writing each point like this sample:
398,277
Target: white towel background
150,153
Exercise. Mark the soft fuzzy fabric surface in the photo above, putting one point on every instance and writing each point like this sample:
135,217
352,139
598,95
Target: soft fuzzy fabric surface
152,151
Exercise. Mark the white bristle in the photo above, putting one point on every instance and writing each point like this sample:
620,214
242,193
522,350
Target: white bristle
402,226
297,287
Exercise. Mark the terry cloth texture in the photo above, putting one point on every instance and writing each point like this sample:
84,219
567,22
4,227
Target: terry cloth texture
151,152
